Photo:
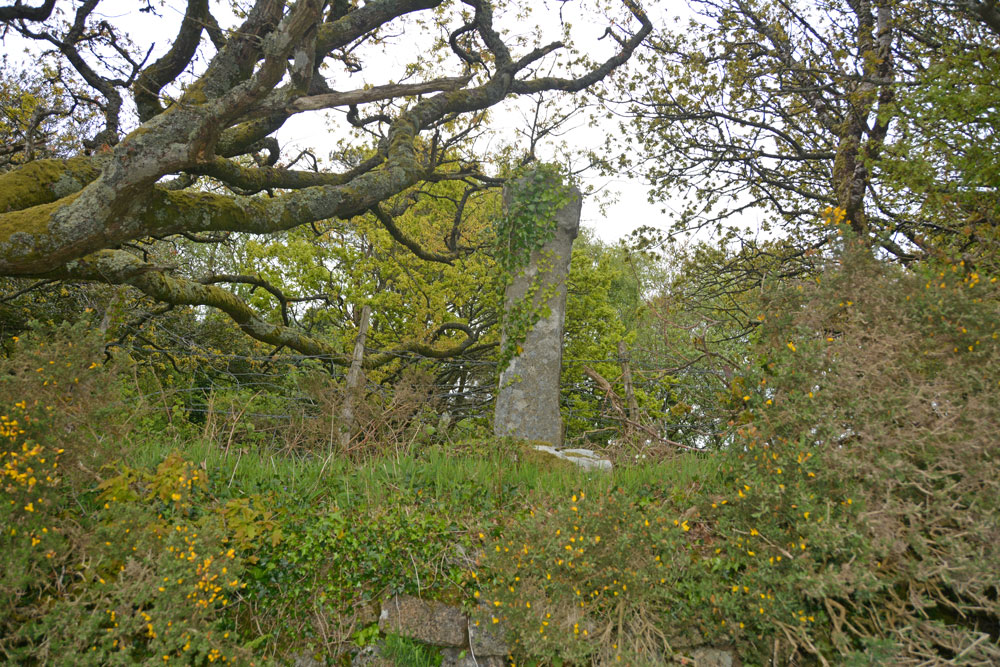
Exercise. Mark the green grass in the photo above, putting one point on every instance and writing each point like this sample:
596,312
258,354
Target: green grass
403,651
486,476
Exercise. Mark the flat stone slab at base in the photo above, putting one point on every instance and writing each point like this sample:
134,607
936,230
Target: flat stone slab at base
583,458
427,621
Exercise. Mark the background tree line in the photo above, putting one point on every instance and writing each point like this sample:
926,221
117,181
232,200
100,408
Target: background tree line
870,115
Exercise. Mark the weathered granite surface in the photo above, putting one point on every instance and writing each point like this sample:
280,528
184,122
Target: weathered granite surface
427,621
464,644
487,640
453,657
708,656
527,404
583,458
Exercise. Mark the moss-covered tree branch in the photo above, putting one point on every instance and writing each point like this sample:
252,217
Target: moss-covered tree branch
196,128
162,283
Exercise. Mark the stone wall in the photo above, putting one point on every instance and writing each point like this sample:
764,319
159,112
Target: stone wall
462,641
465,643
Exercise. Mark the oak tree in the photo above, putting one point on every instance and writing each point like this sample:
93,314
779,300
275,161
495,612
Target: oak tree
184,149
790,109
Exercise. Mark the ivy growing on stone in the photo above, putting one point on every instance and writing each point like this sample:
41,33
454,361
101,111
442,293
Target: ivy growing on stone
527,224
528,221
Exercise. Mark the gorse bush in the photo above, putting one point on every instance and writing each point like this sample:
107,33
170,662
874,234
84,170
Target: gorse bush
153,580
864,490
110,566
53,382
47,384
855,517
850,516
595,578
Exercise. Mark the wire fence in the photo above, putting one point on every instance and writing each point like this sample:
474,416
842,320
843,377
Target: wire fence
294,389
471,391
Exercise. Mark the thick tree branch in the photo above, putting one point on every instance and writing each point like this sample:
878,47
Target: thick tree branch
390,91
147,86
18,12
117,267
986,11
579,83
123,204
70,219
426,349
406,241
45,181
361,20
68,46
251,180
257,281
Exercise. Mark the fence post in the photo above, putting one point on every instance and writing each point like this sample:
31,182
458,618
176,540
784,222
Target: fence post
355,382
633,406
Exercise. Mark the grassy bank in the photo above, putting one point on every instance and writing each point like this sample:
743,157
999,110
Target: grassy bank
852,517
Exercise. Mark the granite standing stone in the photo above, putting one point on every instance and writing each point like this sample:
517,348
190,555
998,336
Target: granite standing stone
527,404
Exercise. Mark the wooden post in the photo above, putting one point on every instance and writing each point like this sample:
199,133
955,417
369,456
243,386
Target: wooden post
355,381
633,406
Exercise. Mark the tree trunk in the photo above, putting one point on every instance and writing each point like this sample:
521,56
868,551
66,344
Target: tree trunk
355,382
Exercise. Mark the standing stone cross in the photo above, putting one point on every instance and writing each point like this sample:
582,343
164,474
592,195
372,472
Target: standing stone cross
527,404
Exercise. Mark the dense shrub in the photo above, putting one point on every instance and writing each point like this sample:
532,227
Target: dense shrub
868,464
852,516
856,518
595,578
110,566
323,583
